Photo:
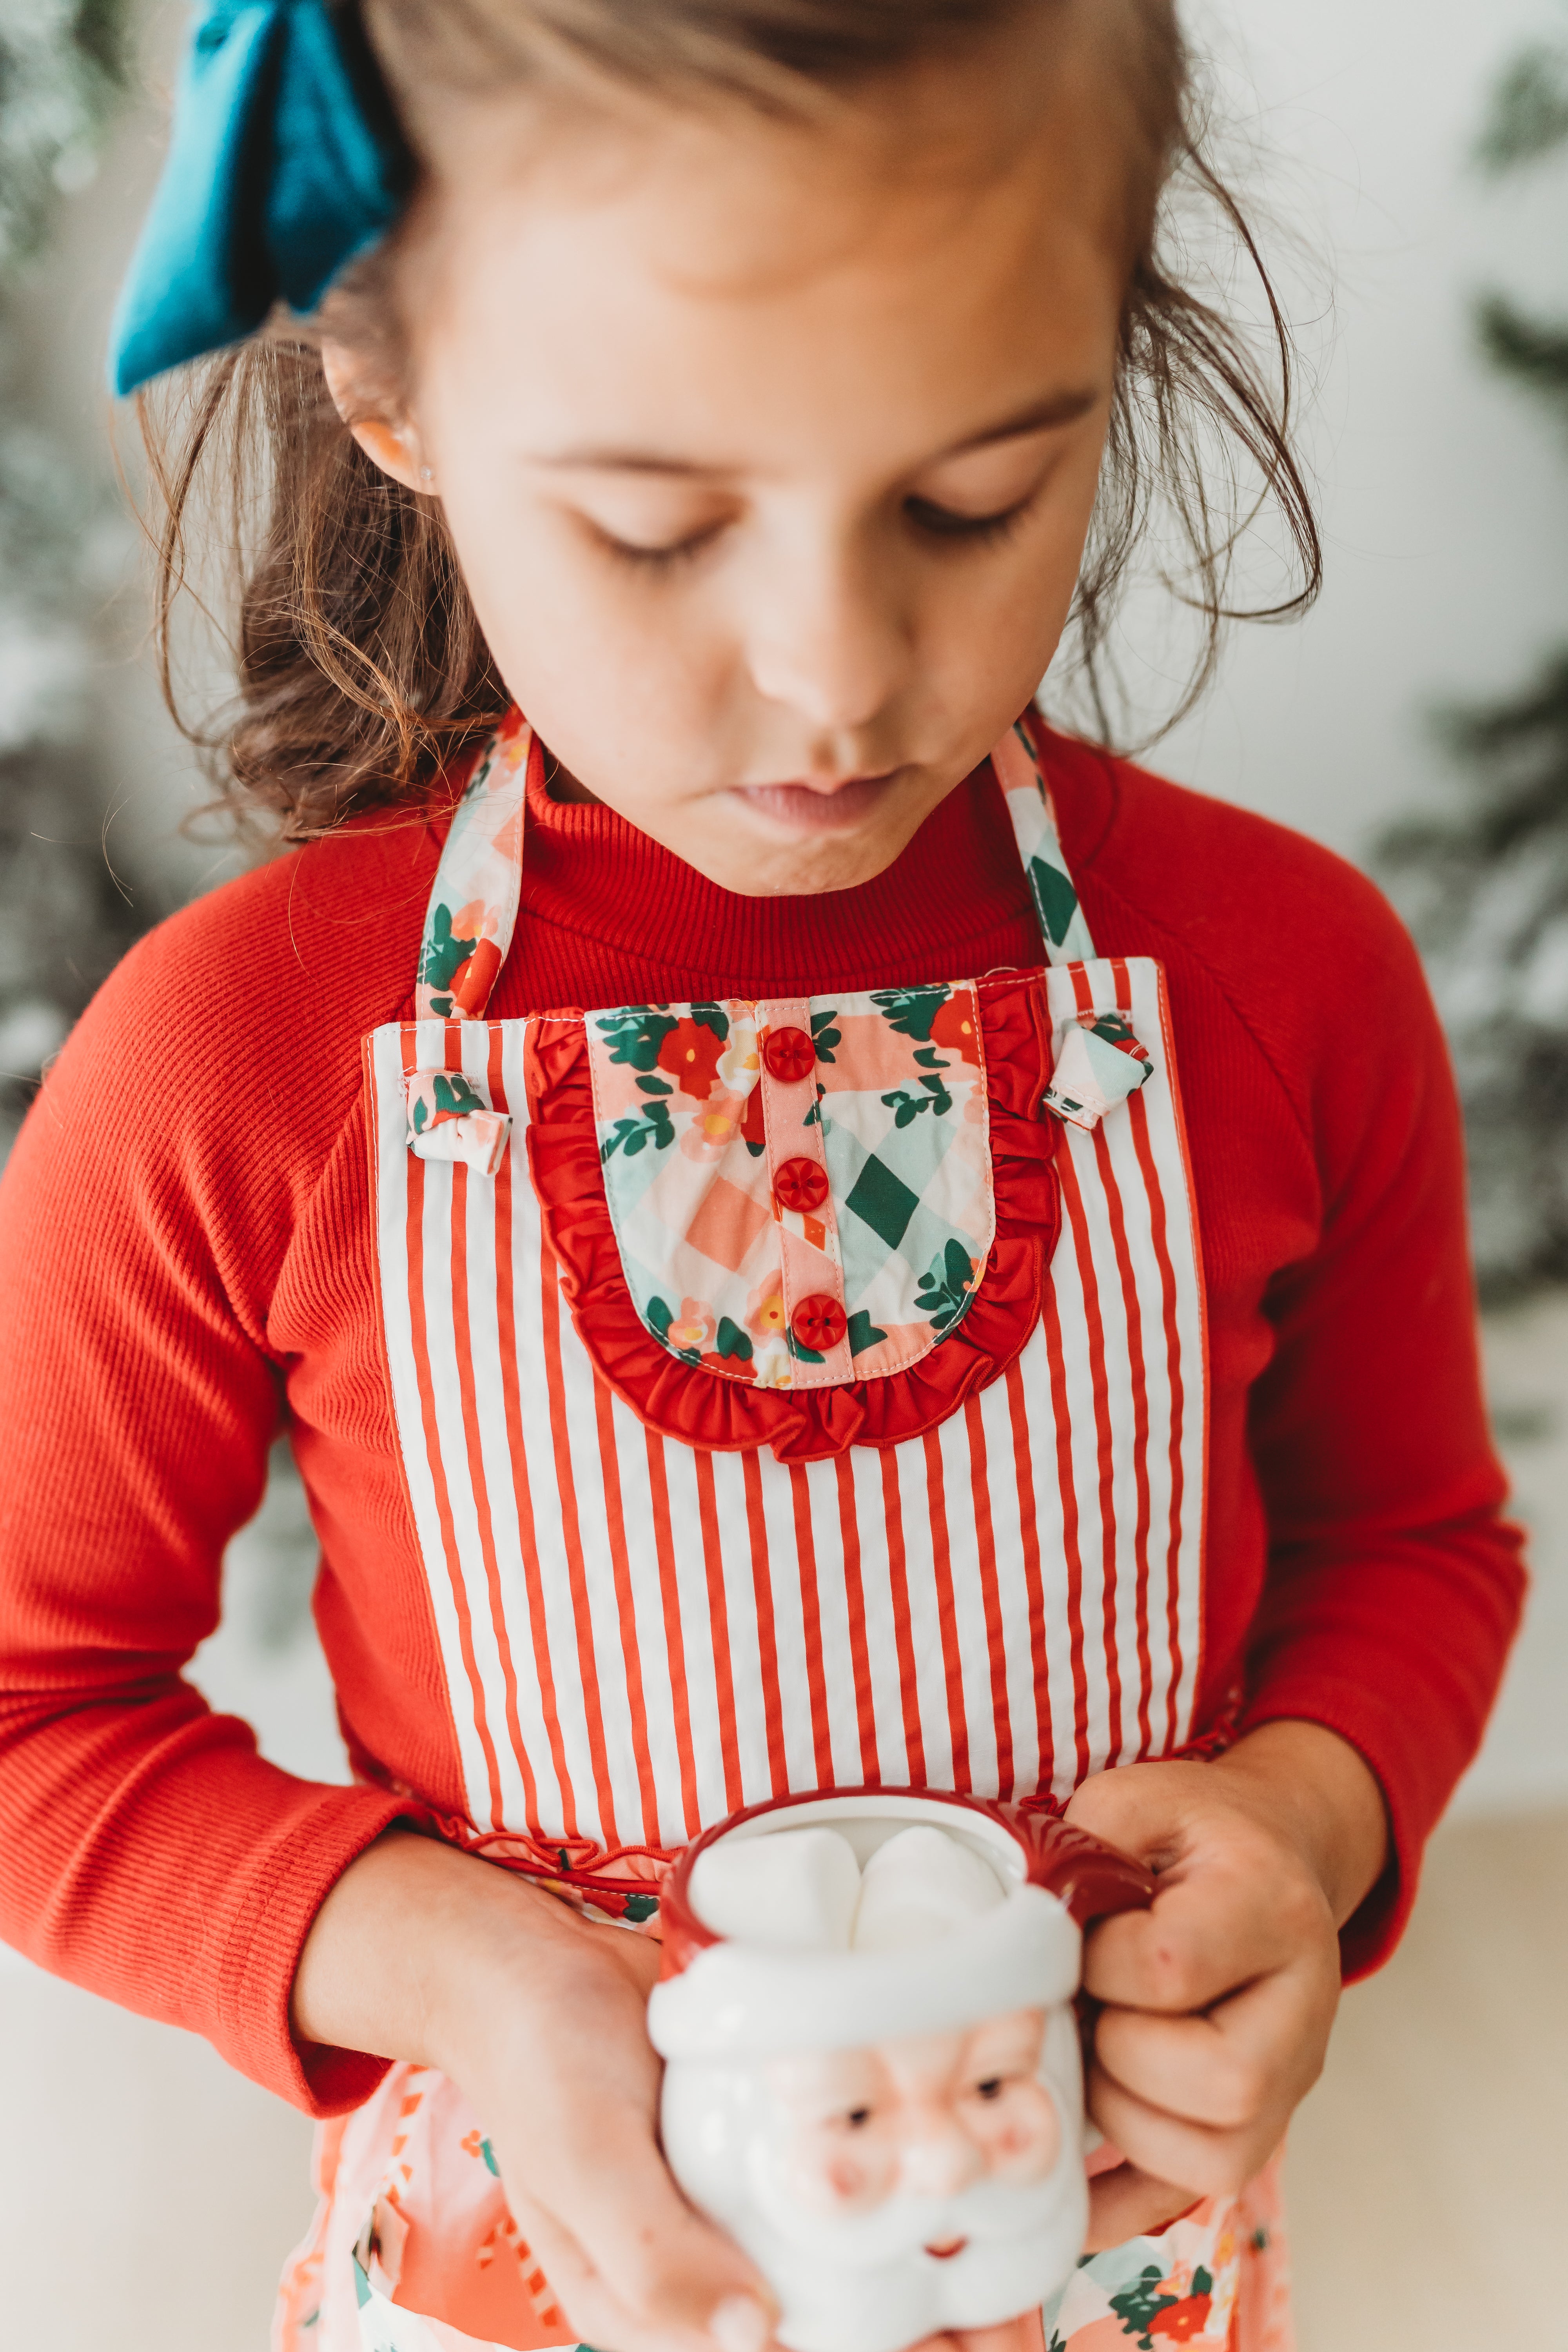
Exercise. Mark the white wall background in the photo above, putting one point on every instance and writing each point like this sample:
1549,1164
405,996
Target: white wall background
145,2195
1444,494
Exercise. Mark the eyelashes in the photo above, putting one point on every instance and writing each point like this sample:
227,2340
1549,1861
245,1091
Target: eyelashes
930,520
976,531
657,559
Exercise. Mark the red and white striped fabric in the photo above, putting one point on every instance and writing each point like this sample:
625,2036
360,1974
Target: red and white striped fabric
639,1637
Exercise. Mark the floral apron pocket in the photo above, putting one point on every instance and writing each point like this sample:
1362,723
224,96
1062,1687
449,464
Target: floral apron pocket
839,1207
801,1191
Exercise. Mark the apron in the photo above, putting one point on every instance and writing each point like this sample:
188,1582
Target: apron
792,1394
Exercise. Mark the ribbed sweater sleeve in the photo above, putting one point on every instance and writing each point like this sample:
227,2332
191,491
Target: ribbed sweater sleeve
1328,1162
1394,1585
147,1851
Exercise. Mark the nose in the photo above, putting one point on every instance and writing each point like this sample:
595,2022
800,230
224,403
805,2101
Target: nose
829,638
939,2157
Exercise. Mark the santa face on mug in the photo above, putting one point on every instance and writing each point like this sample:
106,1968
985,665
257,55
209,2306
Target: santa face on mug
873,2079
917,2129
892,2191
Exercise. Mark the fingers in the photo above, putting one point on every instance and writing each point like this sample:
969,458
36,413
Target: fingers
612,2229
1229,2065
659,2257
592,2314
1203,2101
1127,2203
1225,1916
1230,1899
1217,2000
679,2298
570,2096
1026,2334
597,2316
1205,2160
1142,1809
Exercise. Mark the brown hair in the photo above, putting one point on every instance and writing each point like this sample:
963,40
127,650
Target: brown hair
362,669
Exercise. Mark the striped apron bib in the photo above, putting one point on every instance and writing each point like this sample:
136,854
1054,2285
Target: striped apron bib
791,1394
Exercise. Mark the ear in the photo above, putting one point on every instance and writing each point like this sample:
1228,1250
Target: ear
395,448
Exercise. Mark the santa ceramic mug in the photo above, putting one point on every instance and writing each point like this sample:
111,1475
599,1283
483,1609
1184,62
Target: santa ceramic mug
872,2078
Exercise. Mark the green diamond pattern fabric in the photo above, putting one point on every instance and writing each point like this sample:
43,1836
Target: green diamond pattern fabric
1018,771
883,1200
686,1144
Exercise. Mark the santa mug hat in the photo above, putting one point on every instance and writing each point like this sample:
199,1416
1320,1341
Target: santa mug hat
872,2076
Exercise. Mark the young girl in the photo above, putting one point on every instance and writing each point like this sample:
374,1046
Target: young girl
804,1228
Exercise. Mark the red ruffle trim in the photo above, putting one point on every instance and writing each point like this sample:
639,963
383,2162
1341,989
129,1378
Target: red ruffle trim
720,1415
626,1881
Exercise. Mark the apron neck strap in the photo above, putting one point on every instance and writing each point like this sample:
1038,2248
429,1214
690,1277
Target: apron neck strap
474,900
472,913
1022,781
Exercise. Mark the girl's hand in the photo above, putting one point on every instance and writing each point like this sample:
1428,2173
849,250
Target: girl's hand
538,2016
1218,2000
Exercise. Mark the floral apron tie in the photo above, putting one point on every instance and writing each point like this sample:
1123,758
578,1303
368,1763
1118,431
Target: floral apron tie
792,1393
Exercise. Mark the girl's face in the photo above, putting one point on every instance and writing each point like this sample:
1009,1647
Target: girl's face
769,450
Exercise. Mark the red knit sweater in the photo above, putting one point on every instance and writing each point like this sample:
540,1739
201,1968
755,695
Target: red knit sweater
186,1257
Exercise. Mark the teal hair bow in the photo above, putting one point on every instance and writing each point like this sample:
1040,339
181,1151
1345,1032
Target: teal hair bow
285,161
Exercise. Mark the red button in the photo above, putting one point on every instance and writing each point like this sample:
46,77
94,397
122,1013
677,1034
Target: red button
789,1055
801,1185
819,1323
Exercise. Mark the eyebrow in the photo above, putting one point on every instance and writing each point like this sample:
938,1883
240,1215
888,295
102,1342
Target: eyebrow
1056,409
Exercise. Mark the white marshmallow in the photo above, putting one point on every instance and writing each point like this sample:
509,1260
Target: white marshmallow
795,1890
918,1886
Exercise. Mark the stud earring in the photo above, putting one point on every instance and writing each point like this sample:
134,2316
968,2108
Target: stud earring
427,474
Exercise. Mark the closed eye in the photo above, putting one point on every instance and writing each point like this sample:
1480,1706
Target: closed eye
947,523
992,2088
658,558
934,520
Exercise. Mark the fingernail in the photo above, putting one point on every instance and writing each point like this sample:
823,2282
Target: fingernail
740,2324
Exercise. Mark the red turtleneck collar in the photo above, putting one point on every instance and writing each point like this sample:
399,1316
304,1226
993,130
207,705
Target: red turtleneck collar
609,917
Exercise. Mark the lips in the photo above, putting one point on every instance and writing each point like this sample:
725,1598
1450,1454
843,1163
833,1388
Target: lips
946,2250
806,808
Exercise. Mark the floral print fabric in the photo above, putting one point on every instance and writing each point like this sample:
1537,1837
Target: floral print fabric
1098,1064
412,2249
801,1190
467,930
1216,2281
449,1118
473,908
552,1086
